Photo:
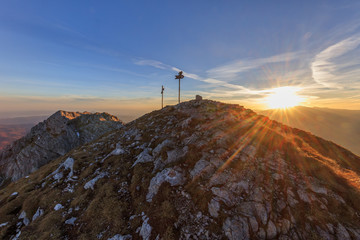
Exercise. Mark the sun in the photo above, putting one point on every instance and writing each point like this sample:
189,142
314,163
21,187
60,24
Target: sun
283,97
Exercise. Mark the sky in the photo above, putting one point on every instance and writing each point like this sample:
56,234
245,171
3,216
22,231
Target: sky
114,56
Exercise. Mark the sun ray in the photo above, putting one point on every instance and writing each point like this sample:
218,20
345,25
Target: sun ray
284,97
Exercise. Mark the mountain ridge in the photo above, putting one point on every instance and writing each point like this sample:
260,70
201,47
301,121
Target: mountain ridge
197,170
52,138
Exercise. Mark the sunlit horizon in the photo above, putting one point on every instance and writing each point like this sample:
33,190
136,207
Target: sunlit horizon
60,56
284,97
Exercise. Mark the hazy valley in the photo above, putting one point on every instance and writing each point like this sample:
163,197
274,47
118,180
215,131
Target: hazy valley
338,125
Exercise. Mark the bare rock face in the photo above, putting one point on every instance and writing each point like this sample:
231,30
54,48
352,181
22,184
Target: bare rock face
53,138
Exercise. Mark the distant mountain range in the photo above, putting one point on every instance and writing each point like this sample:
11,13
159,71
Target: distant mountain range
337,125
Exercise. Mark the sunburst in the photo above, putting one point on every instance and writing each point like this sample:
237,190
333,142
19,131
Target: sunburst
284,97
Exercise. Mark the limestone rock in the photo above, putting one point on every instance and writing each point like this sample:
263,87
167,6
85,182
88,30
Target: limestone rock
236,228
271,230
341,232
174,176
53,138
214,207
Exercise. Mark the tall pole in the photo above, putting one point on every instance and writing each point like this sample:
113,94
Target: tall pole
179,76
162,96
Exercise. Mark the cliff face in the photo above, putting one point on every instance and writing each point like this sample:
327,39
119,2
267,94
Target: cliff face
51,139
197,170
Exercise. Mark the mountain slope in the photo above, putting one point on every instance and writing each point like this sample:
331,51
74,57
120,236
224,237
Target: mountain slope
51,139
197,170
338,125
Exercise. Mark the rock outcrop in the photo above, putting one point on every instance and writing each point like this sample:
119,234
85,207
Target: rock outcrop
51,139
197,170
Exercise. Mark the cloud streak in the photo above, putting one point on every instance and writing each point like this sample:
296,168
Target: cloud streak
325,69
152,63
231,70
329,72
225,71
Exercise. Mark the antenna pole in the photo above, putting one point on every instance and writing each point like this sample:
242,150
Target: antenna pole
162,96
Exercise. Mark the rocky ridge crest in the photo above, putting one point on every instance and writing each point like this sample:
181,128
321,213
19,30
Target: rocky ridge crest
197,170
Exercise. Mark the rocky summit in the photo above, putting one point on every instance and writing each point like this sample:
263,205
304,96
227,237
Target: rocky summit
197,170
51,139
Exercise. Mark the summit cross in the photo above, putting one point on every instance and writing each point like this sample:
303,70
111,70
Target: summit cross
179,76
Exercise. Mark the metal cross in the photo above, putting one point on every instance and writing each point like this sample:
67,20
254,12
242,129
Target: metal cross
179,76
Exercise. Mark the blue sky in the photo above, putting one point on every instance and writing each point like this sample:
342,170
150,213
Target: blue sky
115,55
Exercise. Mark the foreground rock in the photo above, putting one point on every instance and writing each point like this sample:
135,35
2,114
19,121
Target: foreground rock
51,139
197,170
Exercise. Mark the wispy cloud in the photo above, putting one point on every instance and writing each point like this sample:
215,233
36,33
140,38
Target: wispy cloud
231,70
109,68
325,68
322,68
152,63
219,85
